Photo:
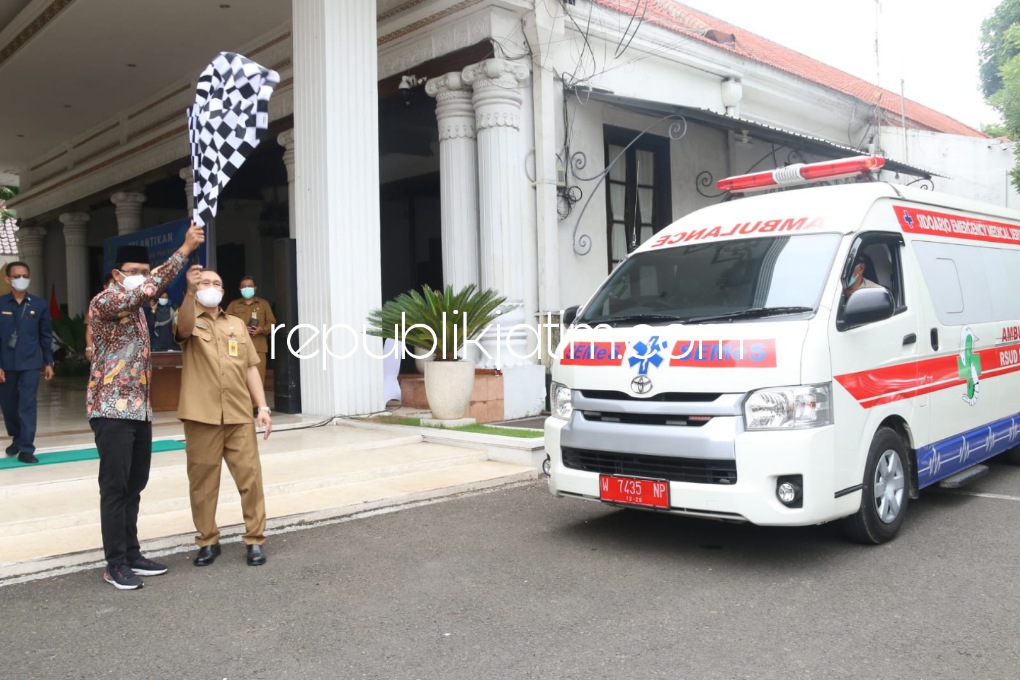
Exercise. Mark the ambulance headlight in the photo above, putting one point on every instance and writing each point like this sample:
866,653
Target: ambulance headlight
782,408
559,401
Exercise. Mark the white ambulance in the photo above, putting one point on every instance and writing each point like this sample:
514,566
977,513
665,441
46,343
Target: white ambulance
796,357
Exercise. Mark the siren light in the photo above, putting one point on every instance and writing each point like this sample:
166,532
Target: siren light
801,173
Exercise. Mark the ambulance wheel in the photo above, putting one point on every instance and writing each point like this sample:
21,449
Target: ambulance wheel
884,495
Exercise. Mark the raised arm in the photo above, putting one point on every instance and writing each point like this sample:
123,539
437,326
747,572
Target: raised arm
114,302
186,312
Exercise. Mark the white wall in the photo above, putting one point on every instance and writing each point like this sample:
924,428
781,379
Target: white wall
972,167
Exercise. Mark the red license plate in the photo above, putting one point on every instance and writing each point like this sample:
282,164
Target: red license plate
651,493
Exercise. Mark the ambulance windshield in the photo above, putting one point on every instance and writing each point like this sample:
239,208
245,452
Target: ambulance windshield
730,280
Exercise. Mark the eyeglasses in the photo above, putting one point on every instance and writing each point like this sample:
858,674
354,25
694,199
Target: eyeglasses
134,272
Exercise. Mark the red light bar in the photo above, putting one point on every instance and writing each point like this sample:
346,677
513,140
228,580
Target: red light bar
801,173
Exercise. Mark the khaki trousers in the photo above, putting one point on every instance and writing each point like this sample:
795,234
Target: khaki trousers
207,446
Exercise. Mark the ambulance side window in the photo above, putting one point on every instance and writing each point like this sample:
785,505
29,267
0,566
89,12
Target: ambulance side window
882,265
964,281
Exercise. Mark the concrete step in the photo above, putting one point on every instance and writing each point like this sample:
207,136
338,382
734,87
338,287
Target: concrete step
161,528
75,502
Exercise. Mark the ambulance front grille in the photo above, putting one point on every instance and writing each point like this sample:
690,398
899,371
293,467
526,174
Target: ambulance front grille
614,395
693,470
645,418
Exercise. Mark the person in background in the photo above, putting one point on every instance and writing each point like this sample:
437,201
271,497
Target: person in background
26,353
258,318
161,332
118,405
219,382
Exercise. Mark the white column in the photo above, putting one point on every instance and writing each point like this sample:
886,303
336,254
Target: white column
286,140
336,163
544,29
31,242
458,178
129,210
76,259
501,180
188,175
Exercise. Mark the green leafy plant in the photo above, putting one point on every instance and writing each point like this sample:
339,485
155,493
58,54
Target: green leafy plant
437,321
69,333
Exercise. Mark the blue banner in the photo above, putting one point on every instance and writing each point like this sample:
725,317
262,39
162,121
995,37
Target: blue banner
161,242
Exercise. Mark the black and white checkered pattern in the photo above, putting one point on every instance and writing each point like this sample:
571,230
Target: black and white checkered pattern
227,121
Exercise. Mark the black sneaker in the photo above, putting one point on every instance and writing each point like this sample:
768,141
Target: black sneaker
12,450
122,578
26,457
146,567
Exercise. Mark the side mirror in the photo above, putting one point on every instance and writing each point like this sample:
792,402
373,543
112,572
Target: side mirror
569,314
868,305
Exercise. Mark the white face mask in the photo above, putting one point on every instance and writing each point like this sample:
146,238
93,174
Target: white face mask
163,302
132,282
19,284
209,297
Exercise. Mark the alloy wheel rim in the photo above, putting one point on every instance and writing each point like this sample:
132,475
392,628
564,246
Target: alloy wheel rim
889,486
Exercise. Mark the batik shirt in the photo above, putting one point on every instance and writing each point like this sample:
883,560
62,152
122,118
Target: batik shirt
121,367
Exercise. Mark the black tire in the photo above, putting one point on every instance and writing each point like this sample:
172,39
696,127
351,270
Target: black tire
886,491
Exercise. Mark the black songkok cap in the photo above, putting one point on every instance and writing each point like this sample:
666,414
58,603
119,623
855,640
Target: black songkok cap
139,254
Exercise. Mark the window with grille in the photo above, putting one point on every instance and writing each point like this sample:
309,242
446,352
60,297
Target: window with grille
638,200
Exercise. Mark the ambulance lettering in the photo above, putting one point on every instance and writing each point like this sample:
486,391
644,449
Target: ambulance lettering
594,353
741,229
724,353
931,223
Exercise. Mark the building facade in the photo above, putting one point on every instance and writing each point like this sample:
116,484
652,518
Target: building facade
525,146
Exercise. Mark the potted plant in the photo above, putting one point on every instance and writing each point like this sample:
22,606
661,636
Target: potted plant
440,322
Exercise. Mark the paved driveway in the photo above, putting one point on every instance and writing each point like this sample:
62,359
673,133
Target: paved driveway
515,584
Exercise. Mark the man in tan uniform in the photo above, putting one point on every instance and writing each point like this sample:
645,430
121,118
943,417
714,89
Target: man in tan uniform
219,382
258,318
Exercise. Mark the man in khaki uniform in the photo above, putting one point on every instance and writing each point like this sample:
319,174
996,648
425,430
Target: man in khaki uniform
258,318
219,382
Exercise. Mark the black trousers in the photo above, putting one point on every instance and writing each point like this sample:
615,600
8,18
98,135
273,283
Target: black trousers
125,453
18,398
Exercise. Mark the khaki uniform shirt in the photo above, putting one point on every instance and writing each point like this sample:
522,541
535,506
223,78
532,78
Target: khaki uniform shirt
214,384
259,306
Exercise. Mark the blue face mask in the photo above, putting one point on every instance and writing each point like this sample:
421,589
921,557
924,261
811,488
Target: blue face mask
164,302
247,293
853,280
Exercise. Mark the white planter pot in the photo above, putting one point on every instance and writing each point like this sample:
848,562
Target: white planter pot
448,387
419,364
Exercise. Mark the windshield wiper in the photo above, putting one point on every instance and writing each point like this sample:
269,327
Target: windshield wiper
629,318
752,313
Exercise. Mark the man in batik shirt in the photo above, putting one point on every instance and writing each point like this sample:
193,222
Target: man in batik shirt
117,401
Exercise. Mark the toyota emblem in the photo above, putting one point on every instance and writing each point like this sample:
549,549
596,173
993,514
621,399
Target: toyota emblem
642,384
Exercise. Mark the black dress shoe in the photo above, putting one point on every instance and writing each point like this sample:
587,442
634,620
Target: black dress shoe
25,457
12,450
207,554
256,555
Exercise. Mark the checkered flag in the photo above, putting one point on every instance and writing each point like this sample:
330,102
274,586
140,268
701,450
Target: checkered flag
227,121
